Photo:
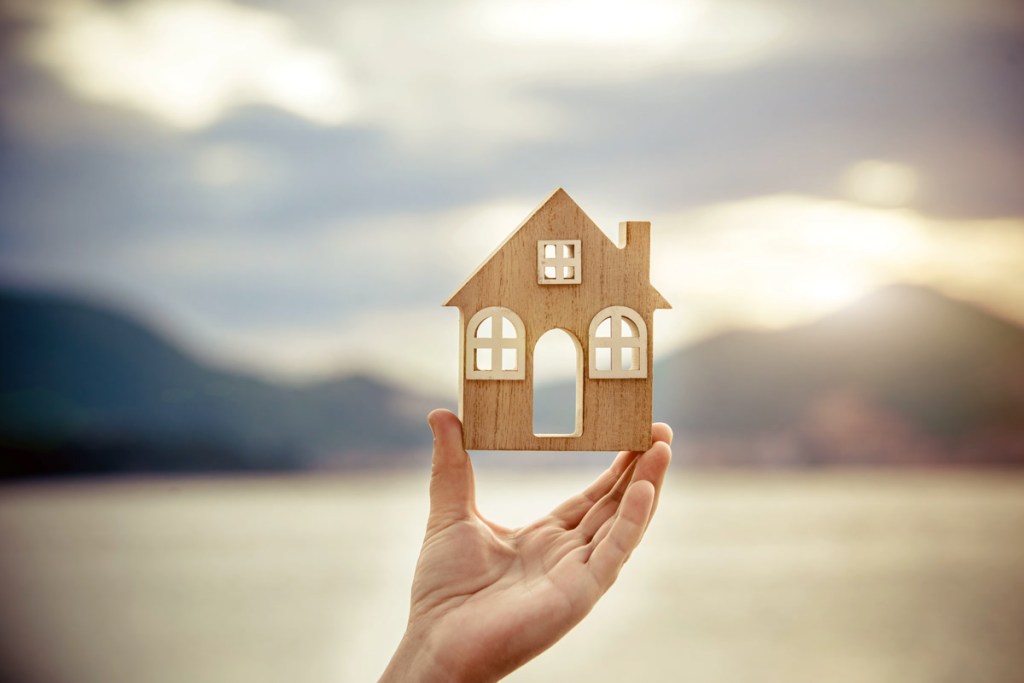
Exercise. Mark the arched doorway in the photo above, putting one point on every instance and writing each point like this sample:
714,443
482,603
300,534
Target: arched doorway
557,385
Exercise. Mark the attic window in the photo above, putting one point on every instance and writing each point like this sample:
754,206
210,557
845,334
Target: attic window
558,262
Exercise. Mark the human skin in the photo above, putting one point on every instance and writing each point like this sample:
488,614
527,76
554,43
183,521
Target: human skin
486,599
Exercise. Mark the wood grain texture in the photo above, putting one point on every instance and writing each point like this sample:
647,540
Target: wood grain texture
616,411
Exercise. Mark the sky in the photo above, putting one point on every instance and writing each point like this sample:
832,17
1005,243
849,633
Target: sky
293,189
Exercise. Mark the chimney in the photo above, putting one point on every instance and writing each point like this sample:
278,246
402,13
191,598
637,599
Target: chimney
635,238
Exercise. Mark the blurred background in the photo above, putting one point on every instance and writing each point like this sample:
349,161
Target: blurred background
226,229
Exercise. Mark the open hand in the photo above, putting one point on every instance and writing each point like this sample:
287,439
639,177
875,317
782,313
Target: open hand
486,599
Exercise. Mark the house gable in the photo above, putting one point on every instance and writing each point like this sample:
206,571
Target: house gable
498,279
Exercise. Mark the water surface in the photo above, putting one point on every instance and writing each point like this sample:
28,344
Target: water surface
795,577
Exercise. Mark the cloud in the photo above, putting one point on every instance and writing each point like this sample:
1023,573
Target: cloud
281,306
790,156
695,34
188,62
873,181
778,260
423,74
454,109
416,347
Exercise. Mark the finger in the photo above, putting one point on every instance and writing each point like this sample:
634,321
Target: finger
655,468
571,512
451,472
600,535
650,467
661,432
625,533
604,509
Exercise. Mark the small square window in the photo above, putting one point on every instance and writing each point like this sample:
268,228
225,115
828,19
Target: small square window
558,262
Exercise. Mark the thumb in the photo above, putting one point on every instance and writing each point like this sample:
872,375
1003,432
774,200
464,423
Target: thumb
451,472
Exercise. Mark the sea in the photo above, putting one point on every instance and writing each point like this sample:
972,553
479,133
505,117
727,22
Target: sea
910,576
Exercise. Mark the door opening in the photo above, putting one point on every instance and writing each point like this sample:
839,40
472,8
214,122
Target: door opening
557,385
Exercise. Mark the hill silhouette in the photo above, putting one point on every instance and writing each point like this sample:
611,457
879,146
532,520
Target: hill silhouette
86,389
906,375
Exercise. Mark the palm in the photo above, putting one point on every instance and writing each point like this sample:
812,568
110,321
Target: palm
491,598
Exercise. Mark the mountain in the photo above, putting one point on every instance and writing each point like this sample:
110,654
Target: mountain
86,389
905,376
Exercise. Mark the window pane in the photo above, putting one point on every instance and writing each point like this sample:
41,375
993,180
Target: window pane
549,251
569,272
630,359
483,359
628,328
508,359
567,250
604,358
549,272
508,330
604,329
484,330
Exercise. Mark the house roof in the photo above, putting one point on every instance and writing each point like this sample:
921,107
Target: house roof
558,201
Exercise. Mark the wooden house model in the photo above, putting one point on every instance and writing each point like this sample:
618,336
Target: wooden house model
559,271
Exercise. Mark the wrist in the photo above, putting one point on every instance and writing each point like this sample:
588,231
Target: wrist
415,661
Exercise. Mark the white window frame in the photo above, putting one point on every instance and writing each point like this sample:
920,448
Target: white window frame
616,342
559,262
497,342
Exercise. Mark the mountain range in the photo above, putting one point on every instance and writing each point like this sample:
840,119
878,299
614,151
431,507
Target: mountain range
906,376
87,389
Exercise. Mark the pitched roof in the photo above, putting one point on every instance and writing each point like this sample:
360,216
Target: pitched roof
559,200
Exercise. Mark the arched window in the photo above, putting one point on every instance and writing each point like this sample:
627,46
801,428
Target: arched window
495,345
618,344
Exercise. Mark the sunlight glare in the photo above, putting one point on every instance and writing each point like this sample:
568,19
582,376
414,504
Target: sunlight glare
578,21
881,183
695,33
776,260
